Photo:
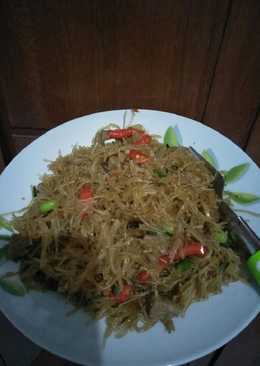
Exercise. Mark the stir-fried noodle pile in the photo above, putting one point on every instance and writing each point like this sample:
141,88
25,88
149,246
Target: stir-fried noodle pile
127,230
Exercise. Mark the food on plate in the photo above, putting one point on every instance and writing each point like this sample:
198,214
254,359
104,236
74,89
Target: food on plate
127,229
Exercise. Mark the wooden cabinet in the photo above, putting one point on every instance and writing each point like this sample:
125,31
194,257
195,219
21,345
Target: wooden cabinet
1,161
65,59
253,146
70,58
234,99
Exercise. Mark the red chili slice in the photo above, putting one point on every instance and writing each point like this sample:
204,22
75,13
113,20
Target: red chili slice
120,133
83,215
164,260
191,250
143,276
124,294
85,192
138,156
144,140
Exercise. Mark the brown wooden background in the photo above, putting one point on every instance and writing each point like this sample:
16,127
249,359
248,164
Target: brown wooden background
63,59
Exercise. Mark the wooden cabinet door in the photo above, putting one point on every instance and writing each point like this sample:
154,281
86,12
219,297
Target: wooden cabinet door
64,59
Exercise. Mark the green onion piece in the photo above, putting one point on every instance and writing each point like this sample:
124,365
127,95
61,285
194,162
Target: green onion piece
222,267
248,212
221,236
166,230
48,206
184,265
115,289
4,224
235,173
170,137
5,237
12,287
34,191
208,156
242,197
4,252
160,173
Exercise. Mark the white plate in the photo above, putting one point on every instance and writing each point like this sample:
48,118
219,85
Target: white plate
206,326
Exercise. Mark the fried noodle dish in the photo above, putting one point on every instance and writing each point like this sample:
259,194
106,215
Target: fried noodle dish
127,229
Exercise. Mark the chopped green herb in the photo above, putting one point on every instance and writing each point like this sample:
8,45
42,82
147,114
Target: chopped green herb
166,230
221,236
184,265
208,156
242,197
115,289
4,252
170,137
235,173
48,206
5,237
12,287
4,224
160,173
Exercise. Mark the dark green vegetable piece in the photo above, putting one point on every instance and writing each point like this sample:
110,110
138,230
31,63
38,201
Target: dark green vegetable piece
160,173
184,265
12,287
221,236
222,267
34,191
115,289
4,252
4,224
5,237
48,206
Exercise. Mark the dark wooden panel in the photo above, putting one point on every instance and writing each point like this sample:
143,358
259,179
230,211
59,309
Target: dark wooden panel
50,64
253,147
6,142
64,59
244,350
235,93
22,140
2,165
160,57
